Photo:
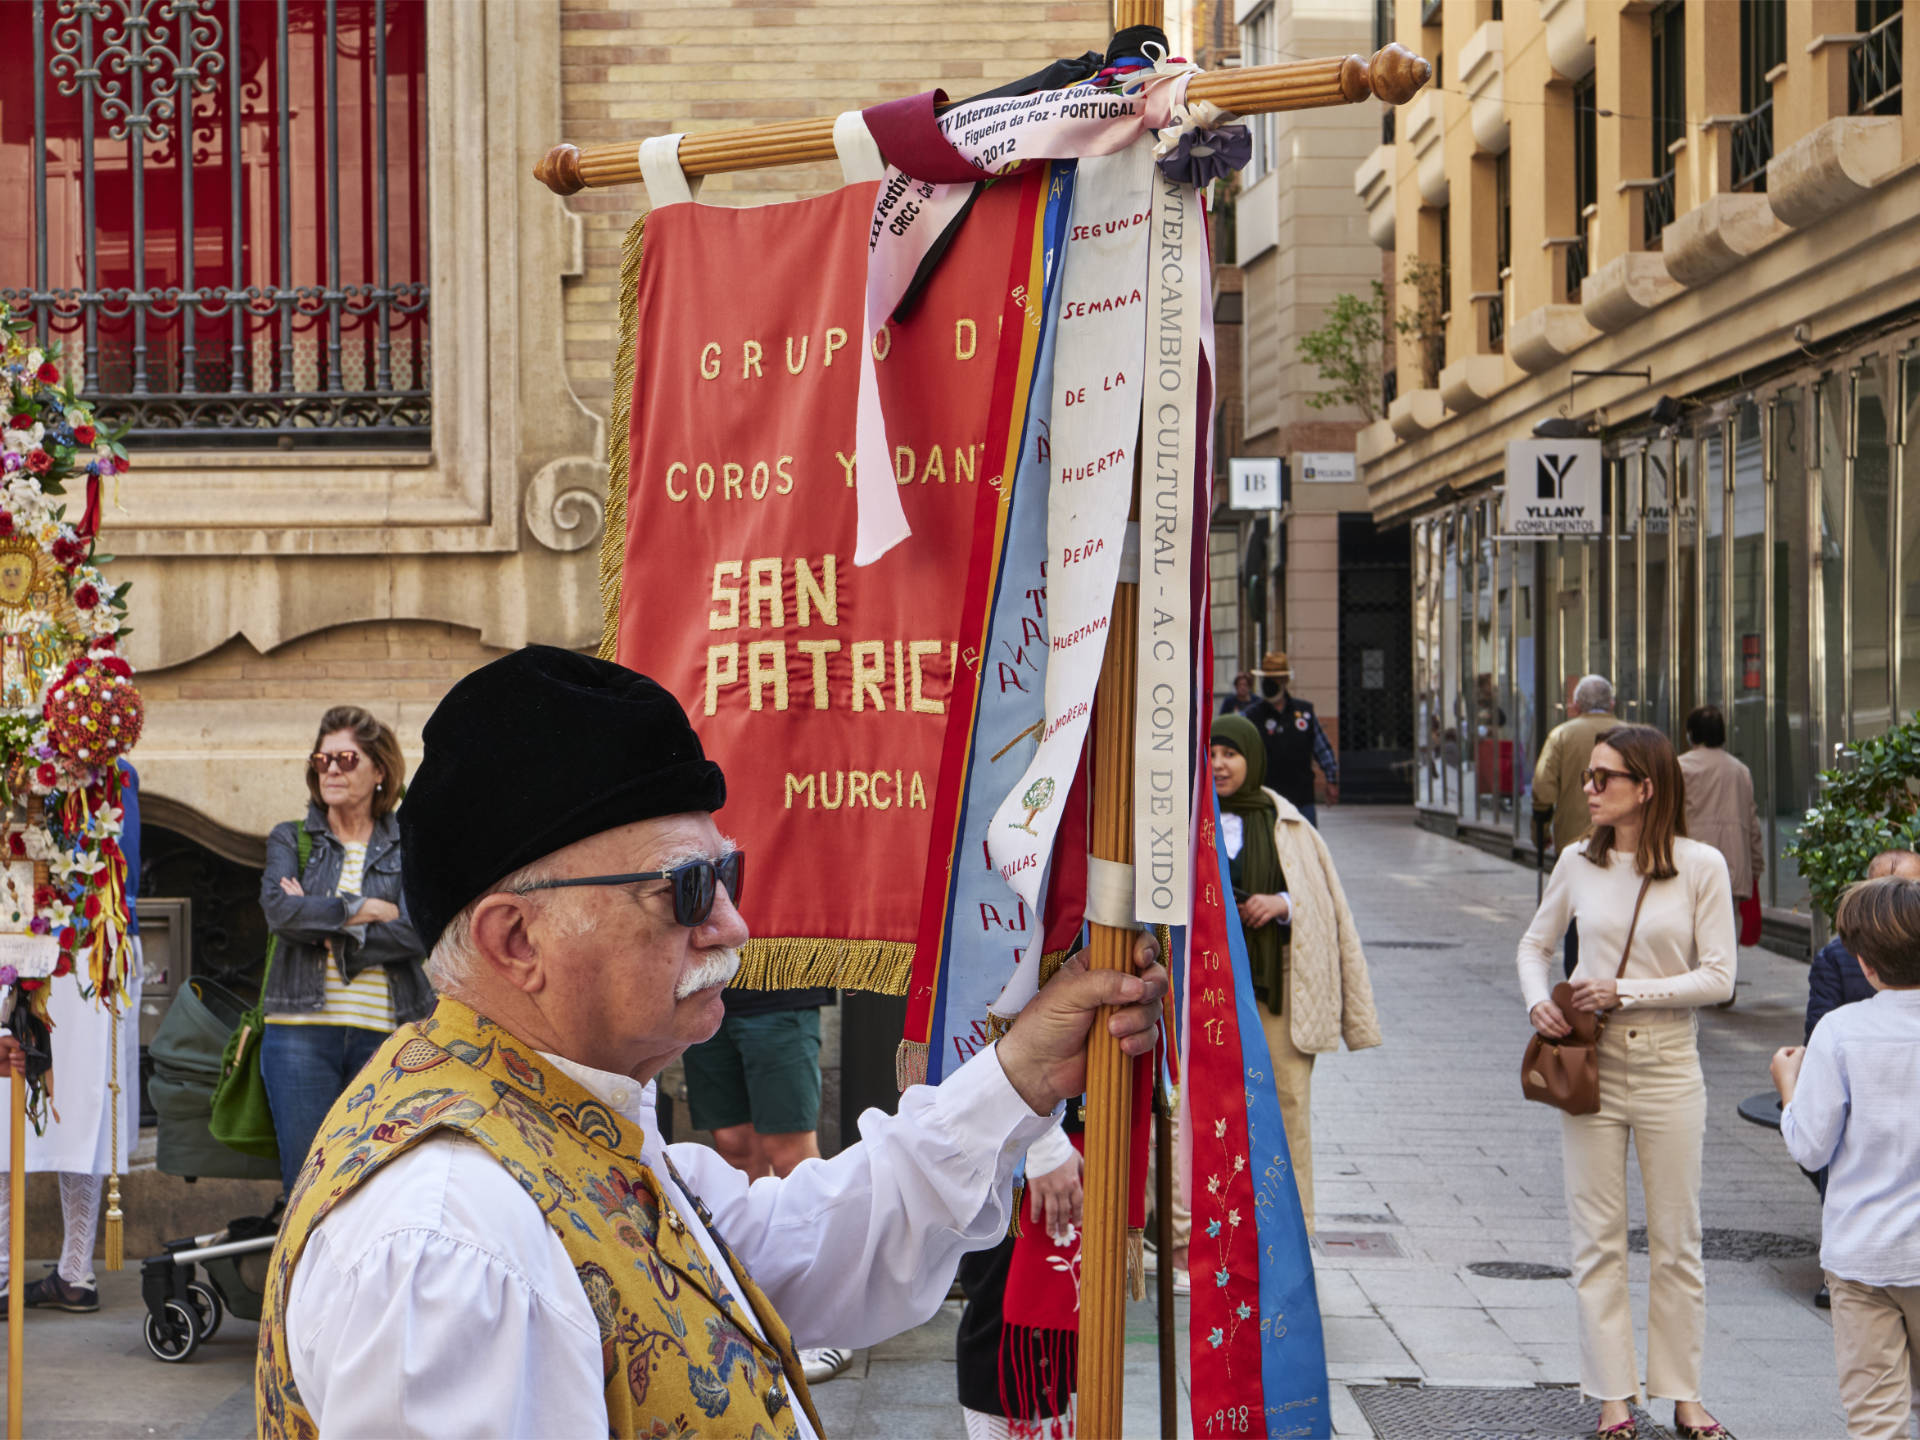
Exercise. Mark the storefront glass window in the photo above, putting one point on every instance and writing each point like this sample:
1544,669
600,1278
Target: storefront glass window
1657,617
1830,650
1520,684
1452,583
1425,737
1626,586
1796,731
1711,687
1909,609
1747,696
1870,554
1482,699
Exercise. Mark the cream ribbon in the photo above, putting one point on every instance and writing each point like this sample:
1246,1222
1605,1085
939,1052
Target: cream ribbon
853,143
667,183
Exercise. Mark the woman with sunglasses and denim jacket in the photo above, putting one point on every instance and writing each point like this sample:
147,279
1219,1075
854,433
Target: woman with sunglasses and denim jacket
1637,856
347,967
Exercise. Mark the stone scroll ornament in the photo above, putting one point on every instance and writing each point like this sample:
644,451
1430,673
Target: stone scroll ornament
68,707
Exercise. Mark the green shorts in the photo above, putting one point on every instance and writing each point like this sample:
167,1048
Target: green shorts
763,1069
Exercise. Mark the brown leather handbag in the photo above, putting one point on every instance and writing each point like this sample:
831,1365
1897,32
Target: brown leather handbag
1565,1073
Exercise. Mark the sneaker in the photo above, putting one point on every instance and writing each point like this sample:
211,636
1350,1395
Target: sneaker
52,1292
820,1366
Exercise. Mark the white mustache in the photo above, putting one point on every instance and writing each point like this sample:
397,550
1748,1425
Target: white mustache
717,967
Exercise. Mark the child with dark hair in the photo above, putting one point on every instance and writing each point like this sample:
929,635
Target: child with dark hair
1849,1105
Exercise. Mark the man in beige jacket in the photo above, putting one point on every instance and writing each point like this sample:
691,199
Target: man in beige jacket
1559,797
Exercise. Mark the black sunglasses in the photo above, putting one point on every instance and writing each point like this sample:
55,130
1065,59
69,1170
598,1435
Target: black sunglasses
694,884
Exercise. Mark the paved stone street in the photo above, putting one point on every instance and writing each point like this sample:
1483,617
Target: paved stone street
1428,1162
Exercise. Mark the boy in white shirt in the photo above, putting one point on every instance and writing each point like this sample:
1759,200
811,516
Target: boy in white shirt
1849,1103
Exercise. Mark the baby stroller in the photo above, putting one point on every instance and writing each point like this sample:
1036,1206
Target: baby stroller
182,1308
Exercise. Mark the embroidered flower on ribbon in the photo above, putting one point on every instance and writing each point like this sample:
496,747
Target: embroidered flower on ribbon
1220,1278
1213,1229
1233,1218
1244,1311
1216,1337
1220,1129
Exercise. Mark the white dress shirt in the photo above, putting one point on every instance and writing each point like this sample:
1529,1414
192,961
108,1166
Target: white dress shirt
1854,1110
437,1301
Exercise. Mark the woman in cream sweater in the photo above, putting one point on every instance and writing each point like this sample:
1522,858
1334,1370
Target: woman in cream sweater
1638,857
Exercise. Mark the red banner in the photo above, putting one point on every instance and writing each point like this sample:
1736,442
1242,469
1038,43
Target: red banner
822,690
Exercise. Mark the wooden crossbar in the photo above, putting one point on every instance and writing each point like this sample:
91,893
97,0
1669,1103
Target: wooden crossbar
1393,74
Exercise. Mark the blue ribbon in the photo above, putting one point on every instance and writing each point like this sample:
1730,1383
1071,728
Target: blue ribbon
977,966
1293,1355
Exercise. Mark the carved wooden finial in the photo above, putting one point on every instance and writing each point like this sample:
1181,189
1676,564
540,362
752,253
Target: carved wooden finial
1397,73
560,170
1354,83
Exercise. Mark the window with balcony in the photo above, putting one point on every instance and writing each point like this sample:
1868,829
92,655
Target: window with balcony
1502,248
1258,47
1586,180
1763,45
1669,53
221,210
1446,283
1873,70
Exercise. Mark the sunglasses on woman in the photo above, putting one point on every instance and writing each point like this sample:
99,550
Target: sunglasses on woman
345,761
1599,777
695,884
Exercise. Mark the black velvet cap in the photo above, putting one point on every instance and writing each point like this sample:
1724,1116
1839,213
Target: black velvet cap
527,755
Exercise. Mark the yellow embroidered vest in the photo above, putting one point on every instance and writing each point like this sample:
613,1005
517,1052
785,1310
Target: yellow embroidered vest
678,1354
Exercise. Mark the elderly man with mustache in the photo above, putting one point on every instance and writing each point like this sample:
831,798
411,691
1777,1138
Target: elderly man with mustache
490,1238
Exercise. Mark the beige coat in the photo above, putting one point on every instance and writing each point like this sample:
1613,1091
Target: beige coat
1720,812
1328,993
1556,779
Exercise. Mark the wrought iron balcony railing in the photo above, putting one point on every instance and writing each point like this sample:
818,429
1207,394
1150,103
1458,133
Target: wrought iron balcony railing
1657,209
1576,269
1873,70
1753,148
227,209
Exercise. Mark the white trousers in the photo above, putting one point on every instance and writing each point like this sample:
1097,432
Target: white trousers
1650,1090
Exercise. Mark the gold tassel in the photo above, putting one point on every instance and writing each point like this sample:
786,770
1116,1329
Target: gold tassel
910,1064
799,962
1019,1208
115,1228
613,537
1137,1264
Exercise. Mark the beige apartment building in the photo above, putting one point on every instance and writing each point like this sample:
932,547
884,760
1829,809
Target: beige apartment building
1314,578
1691,231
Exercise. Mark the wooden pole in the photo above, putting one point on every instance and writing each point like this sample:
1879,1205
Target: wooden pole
16,1255
1393,75
1109,1103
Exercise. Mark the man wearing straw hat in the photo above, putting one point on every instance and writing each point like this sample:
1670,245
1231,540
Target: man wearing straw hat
1294,740
489,1236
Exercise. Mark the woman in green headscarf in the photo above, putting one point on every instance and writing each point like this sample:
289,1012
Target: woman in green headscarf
1249,815
1308,968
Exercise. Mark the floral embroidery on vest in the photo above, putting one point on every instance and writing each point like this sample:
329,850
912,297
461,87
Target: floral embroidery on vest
678,1351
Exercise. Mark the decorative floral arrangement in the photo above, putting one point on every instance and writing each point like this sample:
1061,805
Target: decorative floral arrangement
68,708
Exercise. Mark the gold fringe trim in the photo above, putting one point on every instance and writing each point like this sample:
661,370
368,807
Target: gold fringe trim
910,1064
885,966
1019,1208
613,538
1051,962
998,1025
1137,1264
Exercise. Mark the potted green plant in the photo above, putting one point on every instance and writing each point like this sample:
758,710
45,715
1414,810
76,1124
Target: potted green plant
1869,807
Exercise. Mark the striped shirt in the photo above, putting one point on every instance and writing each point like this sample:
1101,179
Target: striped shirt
365,1002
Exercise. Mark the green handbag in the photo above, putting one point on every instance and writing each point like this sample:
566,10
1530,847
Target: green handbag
241,1119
